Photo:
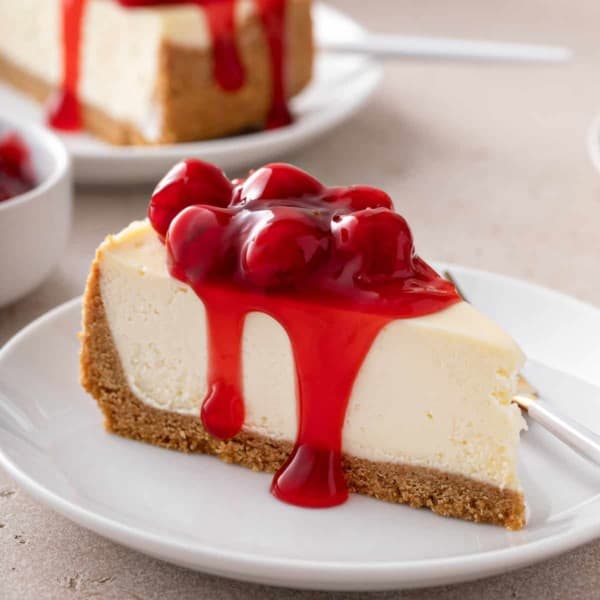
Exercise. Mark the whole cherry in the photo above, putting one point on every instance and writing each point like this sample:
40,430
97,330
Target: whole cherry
279,181
189,182
377,242
197,243
283,248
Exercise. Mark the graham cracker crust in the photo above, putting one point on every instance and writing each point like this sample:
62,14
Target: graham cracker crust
102,376
192,104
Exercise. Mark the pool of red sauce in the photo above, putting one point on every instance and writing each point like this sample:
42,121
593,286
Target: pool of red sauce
65,108
332,265
16,176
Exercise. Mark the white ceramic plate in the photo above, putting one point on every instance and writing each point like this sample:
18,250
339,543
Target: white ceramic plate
200,513
341,86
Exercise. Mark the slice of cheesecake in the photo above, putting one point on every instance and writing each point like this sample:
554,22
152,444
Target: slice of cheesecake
158,71
289,327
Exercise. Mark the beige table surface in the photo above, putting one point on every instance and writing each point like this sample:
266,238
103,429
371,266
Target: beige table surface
489,166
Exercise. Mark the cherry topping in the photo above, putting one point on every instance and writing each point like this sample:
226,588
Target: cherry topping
236,194
189,182
359,197
279,181
283,249
380,238
197,243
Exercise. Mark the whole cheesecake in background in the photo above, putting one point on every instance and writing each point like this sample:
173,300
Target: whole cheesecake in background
290,327
158,71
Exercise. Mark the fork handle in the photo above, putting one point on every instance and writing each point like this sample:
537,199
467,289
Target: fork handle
578,437
433,48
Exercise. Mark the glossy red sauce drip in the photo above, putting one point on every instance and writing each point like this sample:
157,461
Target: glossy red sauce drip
65,109
223,408
65,112
228,68
331,265
272,13
16,176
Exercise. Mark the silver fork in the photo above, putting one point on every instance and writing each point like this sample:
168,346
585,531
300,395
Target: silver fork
578,437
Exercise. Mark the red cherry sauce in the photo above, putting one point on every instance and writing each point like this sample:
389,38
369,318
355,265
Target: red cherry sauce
16,176
65,112
332,265
65,109
272,13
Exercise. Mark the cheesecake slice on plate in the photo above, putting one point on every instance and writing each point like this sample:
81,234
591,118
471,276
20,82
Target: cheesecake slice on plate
290,327
158,71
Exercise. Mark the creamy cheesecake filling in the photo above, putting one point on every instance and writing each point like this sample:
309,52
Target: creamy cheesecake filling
122,82
433,391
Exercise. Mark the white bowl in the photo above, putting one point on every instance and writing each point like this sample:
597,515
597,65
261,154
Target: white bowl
34,226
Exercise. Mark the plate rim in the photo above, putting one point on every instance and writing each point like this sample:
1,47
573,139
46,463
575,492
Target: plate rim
299,572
